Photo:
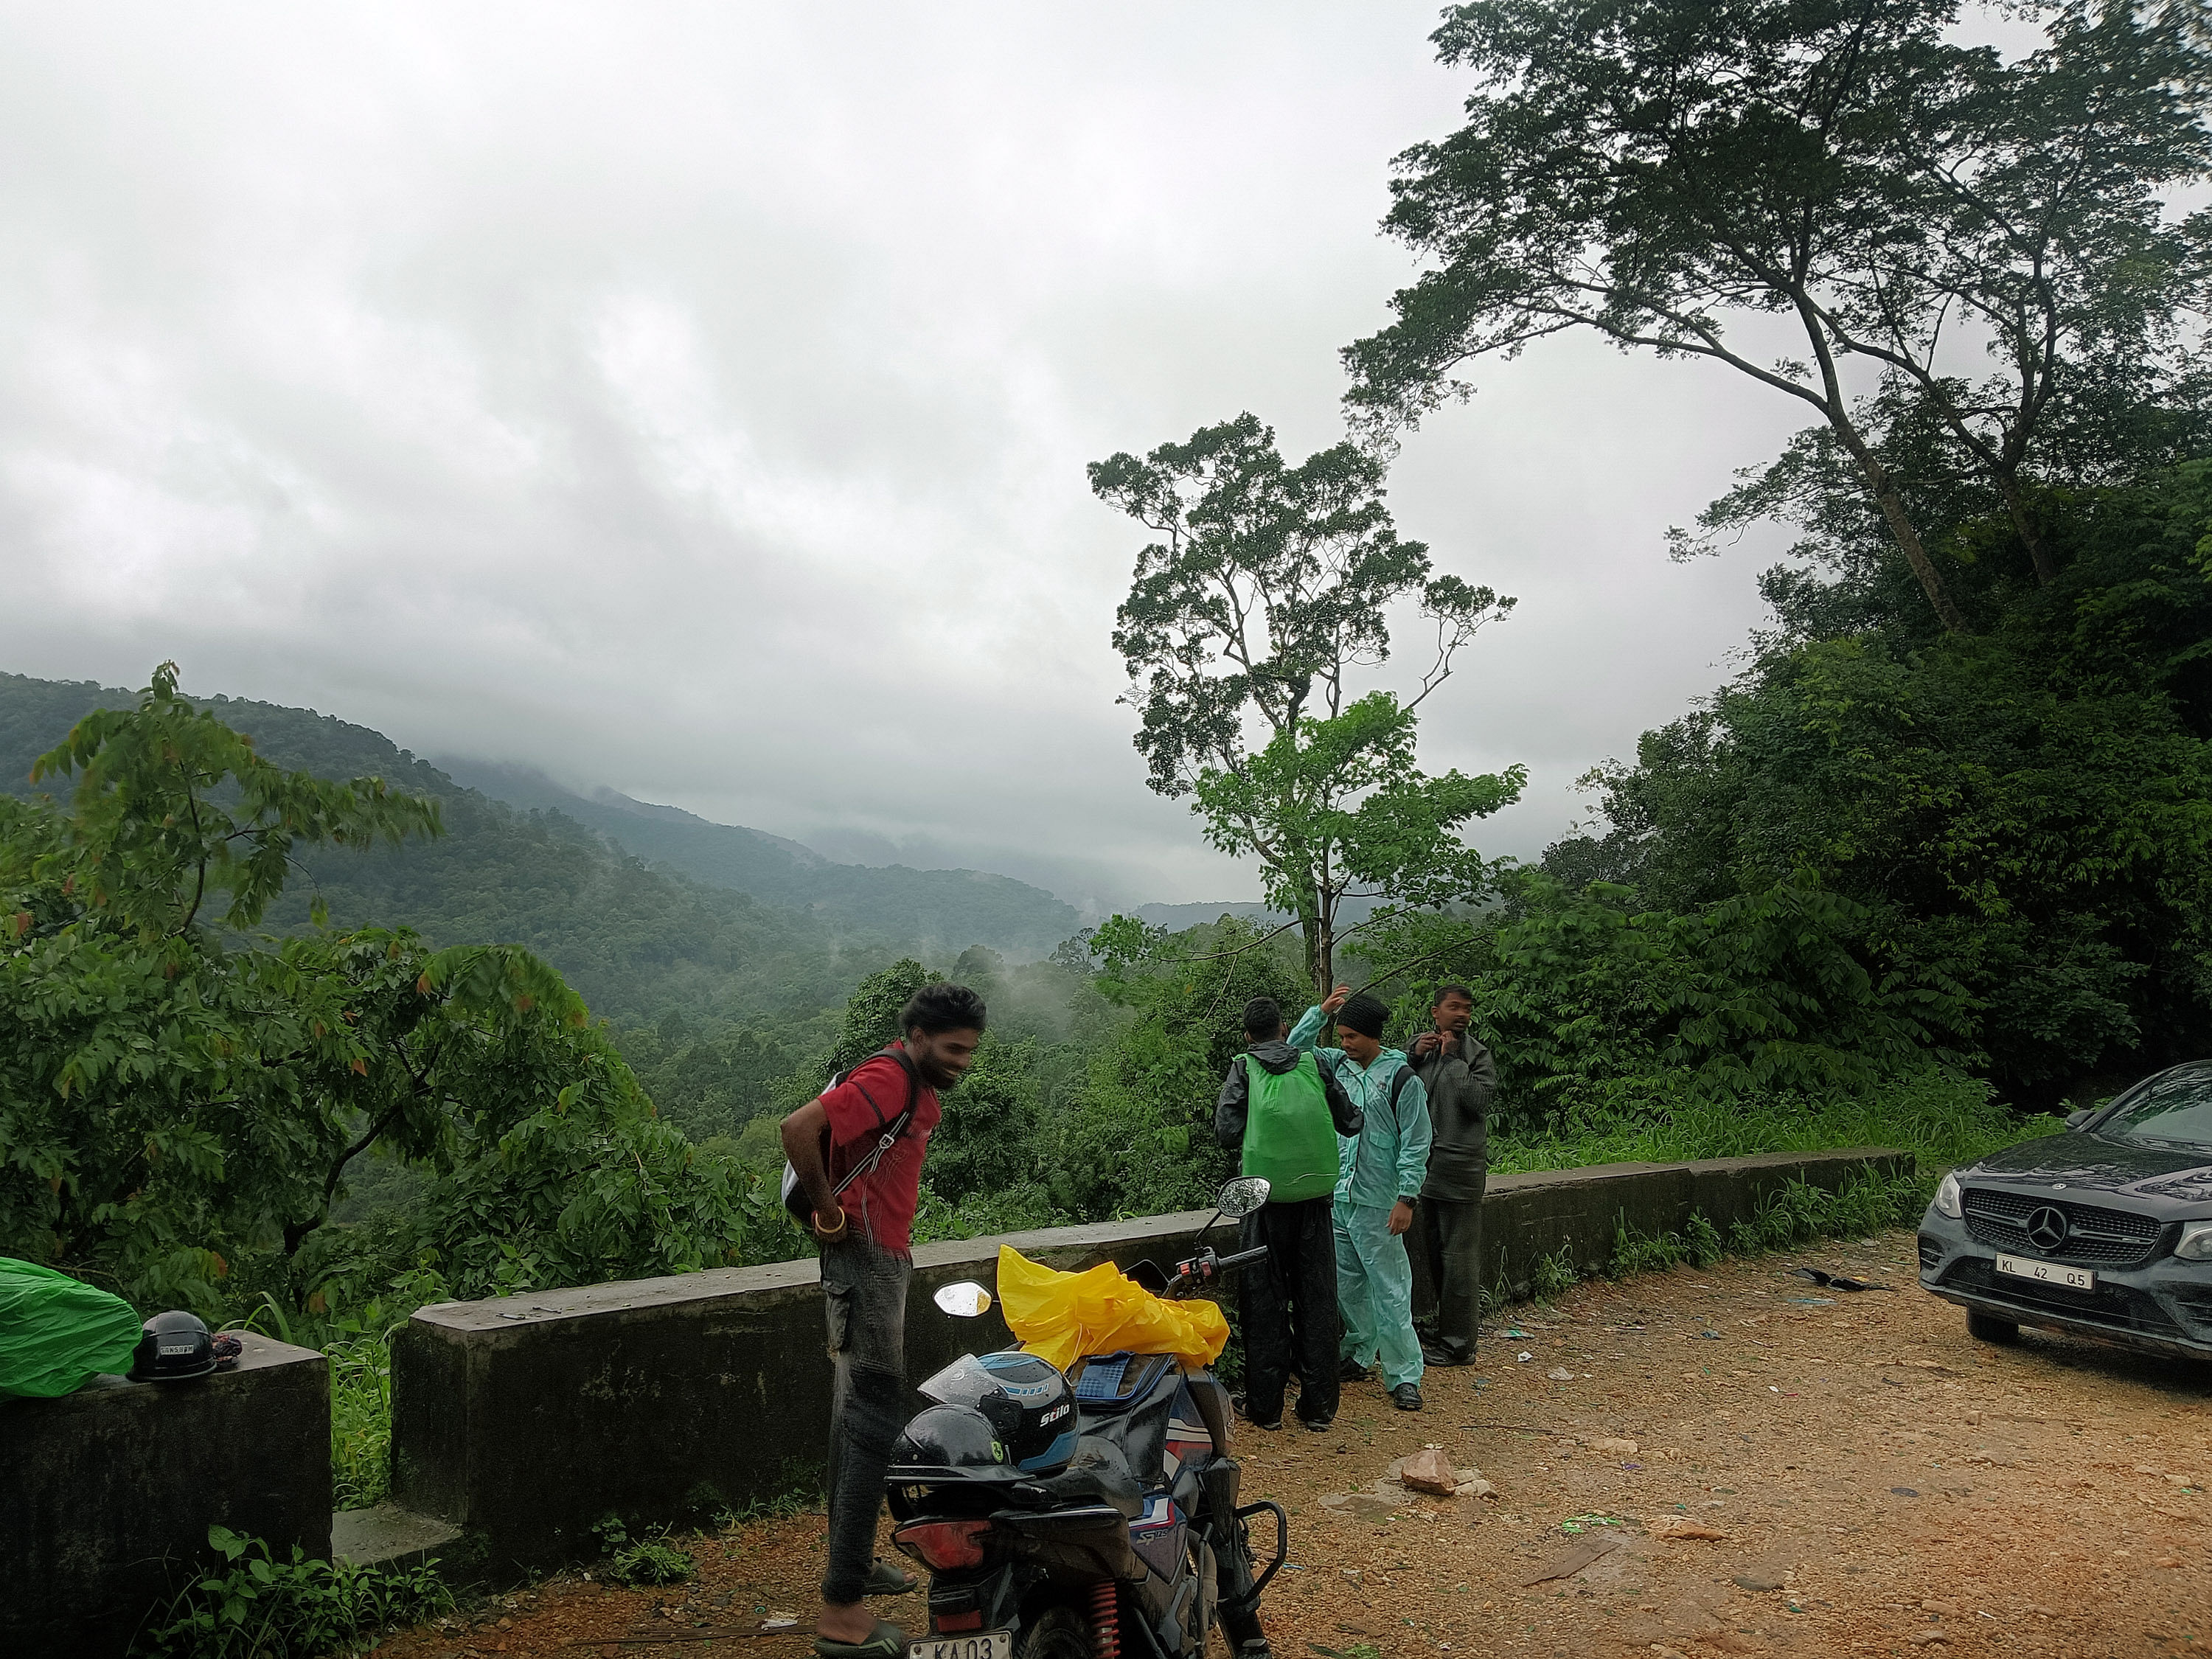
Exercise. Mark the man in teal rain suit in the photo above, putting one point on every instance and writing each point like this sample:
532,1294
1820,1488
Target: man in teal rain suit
1379,1174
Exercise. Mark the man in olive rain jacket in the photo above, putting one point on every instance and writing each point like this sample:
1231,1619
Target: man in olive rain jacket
1459,1077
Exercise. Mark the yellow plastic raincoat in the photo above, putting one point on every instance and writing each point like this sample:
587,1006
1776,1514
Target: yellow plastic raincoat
1060,1316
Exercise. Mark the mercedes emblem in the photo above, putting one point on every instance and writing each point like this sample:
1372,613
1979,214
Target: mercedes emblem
2046,1229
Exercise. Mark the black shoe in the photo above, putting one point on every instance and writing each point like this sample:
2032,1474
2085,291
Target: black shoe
1433,1354
1406,1397
1320,1426
1270,1428
1352,1371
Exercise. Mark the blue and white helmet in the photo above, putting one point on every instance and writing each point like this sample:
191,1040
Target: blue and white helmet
1026,1399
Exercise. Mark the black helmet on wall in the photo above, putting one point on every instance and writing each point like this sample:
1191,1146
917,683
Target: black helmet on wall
174,1345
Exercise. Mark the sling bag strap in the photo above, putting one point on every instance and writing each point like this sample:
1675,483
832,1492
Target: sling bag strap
1397,1082
794,1195
892,1130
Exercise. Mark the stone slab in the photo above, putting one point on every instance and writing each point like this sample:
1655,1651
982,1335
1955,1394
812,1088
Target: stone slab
106,1494
387,1535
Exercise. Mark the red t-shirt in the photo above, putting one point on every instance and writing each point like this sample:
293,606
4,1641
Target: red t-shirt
881,1203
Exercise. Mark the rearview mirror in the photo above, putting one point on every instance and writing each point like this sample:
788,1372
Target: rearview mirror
1240,1197
2075,1120
965,1300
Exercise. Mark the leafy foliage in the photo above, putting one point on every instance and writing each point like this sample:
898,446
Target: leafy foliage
1645,169
174,1102
1604,1016
2026,815
361,1411
1140,1137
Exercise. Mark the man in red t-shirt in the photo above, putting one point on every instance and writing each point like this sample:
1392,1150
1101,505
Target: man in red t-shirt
867,1237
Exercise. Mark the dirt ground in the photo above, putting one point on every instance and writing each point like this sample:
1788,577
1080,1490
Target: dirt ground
1881,1484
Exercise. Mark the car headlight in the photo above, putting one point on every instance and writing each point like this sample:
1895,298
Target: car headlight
2195,1243
1947,1198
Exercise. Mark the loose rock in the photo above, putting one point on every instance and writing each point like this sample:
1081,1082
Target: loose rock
1431,1472
1471,1485
1681,1526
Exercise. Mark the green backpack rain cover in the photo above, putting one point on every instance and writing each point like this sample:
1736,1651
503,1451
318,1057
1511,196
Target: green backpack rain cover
1289,1137
57,1333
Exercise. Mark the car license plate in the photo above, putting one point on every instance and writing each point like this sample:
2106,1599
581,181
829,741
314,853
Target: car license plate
982,1644
2073,1279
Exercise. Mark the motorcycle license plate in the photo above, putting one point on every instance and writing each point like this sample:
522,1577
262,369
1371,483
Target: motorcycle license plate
979,1645
2073,1279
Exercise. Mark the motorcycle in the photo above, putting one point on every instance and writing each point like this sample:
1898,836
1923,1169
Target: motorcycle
1060,1514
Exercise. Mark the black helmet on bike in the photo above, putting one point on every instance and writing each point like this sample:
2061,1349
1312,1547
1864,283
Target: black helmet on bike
948,1442
1025,1398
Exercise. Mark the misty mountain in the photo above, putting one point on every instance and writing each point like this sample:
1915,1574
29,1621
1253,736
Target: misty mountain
943,910
635,940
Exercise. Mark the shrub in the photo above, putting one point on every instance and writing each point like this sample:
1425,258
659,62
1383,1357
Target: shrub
641,1561
652,1562
260,1608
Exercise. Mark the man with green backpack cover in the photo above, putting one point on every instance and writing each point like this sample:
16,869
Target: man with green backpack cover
1285,1111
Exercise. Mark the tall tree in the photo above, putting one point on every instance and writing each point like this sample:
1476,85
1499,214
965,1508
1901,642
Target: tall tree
1646,167
1265,594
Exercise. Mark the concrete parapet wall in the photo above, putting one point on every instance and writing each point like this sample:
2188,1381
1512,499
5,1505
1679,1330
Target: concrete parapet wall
106,1494
525,1419
1528,1218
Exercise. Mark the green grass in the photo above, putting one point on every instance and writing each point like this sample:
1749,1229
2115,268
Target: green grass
1794,1215
1942,1118
361,1421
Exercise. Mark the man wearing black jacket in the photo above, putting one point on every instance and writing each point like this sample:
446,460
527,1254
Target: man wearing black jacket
1289,1308
1459,1077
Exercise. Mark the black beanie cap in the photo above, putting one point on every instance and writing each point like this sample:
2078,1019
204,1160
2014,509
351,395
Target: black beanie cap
1364,1014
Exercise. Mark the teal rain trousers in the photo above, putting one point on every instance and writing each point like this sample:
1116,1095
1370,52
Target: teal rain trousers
1375,1293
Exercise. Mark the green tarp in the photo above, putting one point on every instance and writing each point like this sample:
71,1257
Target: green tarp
57,1333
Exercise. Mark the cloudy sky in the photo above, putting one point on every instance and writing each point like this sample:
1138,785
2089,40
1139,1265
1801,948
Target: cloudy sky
693,400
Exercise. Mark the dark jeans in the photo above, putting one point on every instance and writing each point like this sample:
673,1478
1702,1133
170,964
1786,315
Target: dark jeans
1447,1273
865,1289
1289,1310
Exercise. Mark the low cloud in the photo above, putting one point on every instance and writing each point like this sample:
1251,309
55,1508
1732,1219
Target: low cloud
695,399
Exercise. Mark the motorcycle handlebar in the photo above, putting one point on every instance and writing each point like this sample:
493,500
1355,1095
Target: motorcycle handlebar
1242,1258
